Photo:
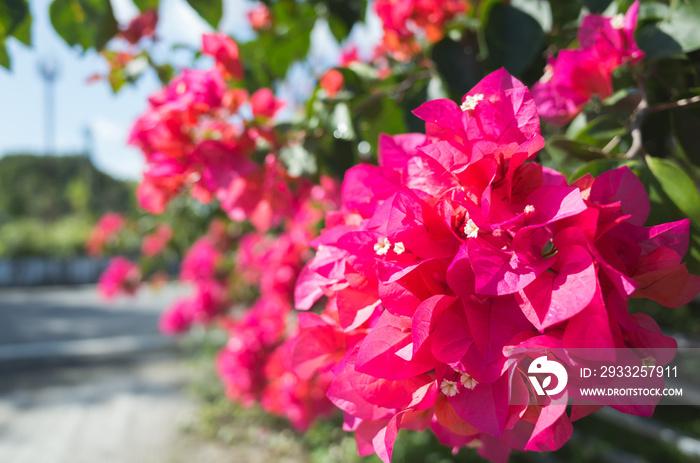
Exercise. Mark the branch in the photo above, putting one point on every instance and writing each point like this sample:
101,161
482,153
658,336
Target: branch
674,104
637,118
641,112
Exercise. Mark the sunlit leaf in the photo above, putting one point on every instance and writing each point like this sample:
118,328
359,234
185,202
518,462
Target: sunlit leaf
85,23
210,10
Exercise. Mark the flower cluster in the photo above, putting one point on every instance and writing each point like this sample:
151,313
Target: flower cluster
459,246
121,276
255,365
574,76
156,242
143,25
194,136
202,267
400,18
106,231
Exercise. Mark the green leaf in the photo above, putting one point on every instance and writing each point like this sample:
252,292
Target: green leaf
86,23
676,184
145,5
343,16
379,115
597,133
575,148
657,43
513,38
541,10
682,24
338,28
653,11
458,70
23,31
597,6
686,126
4,56
12,14
210,10
595,168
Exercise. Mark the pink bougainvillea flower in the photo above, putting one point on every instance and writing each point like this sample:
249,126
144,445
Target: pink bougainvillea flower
156,242
196,90
457,248
225,51
349,54
177,319
201,261
265,104
400,18
332,82
572,78
570,81
121,276
143,25
260,17
106,230
612,37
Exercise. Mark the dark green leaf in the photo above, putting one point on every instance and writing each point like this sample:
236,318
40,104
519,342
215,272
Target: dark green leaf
338,28
658,44
379,115
165,73
23,31
676,184
343,16
575,148
12,14
210,10
458,69
565,11
597,6
86,23
513,38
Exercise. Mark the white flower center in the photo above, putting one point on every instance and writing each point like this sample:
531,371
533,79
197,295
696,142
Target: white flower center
449,388
470,229
399,248
467,381
617,21
548,74
470,101
382,246
529,209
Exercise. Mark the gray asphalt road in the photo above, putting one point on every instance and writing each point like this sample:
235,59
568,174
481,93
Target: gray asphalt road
125,404
34,315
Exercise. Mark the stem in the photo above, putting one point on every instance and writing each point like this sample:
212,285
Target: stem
637,118
641,112
675,104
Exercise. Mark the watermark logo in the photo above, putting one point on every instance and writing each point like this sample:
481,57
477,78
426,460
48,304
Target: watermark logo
542,365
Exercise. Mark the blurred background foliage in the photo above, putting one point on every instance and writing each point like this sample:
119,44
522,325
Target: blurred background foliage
48,204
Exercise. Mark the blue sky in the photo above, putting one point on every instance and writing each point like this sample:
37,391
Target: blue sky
80,105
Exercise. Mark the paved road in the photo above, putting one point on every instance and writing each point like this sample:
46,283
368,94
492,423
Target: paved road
61,314
119,399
